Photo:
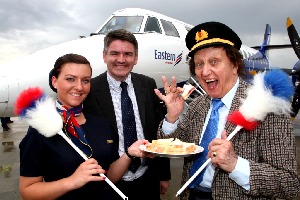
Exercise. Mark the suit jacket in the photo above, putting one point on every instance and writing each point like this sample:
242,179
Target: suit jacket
99,102
270,149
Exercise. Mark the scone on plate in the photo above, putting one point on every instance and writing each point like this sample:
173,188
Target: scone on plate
170,146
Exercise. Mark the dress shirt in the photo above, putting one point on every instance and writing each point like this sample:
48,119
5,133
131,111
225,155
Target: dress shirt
115,90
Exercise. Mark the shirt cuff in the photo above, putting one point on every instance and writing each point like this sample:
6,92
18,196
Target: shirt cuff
168,127
241,173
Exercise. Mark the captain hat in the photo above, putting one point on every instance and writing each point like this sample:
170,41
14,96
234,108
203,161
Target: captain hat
211,34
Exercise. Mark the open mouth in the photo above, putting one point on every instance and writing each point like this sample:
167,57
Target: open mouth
212,83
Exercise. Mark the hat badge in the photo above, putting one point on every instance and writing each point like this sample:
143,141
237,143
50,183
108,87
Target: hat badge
201,35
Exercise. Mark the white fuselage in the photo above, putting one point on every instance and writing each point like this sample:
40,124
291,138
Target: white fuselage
162,51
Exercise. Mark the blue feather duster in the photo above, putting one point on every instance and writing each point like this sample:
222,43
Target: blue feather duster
279,83
271,92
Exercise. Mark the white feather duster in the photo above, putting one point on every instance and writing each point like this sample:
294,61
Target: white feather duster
45,118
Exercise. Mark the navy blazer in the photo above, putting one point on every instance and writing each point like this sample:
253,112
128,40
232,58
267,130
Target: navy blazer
99,102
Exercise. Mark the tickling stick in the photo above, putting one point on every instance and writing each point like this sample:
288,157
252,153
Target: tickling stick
39,110
205,164
61,133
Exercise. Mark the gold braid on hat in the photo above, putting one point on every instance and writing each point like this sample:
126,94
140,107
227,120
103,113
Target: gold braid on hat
210,41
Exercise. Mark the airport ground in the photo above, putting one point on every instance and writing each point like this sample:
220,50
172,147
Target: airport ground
9,156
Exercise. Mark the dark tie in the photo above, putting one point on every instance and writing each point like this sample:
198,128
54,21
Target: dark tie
209,134
129,127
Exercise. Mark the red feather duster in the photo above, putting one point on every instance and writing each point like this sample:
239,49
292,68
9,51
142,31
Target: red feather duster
237,118
27,99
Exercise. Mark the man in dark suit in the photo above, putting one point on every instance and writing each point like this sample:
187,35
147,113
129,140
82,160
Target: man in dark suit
121,54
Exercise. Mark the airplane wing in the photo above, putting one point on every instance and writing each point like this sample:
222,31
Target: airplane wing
274,46
265,46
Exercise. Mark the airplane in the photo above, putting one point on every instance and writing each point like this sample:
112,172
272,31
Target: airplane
162,51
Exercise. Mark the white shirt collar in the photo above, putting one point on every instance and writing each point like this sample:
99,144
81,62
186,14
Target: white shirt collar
114,84
227,99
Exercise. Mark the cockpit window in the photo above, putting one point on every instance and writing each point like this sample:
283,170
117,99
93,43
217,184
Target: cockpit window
152,25
169,28
129,23
187,28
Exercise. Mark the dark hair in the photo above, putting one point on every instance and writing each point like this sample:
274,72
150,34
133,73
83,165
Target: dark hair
234,56
68,58
120,34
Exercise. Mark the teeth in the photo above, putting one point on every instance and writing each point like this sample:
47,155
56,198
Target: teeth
77,95
207,81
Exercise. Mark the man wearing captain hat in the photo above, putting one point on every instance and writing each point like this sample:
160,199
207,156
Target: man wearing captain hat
254,164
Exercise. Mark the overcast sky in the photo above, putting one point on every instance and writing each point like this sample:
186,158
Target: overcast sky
30,25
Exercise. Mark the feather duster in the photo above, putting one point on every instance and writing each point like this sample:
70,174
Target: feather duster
271,92
40,112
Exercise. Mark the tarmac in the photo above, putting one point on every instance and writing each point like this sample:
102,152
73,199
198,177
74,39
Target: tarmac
9,156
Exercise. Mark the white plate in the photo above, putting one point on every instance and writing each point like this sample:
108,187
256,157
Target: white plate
198,150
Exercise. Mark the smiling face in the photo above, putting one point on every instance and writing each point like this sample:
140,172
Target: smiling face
216,74
72,83
120,58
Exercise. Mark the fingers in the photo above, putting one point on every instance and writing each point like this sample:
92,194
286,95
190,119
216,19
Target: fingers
135,150
149,155
140,142
85,173
224,135
218,145
169,88
89,164
164,185
214,154
173,87
165,84
91,161
159,94
222,154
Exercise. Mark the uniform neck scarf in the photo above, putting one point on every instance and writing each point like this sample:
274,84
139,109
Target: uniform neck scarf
72,129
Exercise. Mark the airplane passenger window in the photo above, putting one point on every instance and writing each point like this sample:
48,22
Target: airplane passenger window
152,25
169,28
130,23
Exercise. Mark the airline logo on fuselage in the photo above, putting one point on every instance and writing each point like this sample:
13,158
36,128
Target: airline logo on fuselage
170,58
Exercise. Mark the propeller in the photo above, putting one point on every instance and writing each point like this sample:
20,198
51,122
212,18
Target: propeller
293,35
